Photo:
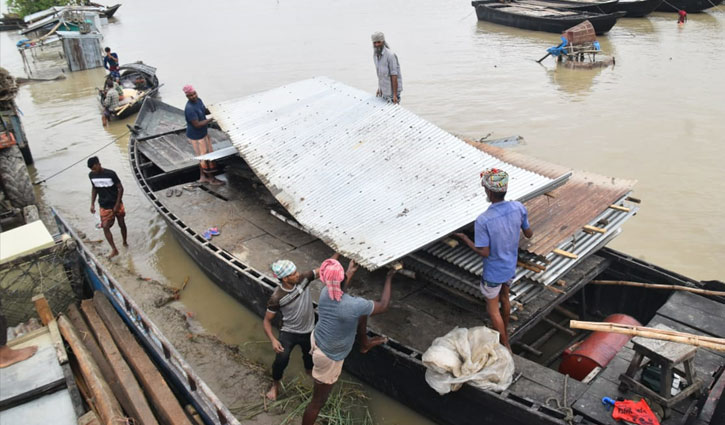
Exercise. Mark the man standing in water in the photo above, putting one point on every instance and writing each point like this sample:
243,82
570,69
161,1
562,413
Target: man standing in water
390,81
198,134
108,188
292,299
341,317
497,241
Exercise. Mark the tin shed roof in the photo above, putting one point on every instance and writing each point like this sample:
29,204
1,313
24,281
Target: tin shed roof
371,179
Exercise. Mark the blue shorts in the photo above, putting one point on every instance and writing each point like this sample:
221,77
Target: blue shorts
490,290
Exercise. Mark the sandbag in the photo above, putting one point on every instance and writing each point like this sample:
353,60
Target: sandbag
472,356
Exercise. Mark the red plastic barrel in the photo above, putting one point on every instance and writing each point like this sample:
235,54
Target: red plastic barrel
598,349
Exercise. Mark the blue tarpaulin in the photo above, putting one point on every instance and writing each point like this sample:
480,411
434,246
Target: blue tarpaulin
560,49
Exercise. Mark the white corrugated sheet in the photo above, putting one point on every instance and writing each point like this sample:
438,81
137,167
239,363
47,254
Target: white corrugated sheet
371,179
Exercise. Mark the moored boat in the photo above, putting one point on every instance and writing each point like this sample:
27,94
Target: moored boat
256,229
597,6
638,8
138,81
689,6
540,18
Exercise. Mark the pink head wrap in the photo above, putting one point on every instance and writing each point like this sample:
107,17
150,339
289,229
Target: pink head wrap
332,274
188,89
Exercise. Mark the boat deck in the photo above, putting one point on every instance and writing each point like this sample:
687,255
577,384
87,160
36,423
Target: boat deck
684,312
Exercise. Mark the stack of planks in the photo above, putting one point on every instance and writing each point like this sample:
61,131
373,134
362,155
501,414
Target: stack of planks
114,374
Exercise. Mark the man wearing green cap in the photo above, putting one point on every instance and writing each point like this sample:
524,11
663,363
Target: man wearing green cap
292,299
497,241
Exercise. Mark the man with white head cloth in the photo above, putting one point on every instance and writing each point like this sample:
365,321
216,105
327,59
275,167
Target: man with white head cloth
390,80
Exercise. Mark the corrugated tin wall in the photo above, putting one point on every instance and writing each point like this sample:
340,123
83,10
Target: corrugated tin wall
83,52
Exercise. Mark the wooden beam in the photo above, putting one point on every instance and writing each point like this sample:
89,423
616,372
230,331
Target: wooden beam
43,309
593,229
660,286
653,333
566,254
108,408
138,408
57,342
89,418
619,208
160,395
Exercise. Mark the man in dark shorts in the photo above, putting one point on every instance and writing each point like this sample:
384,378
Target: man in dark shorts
197,131
108,188
110,62
292,299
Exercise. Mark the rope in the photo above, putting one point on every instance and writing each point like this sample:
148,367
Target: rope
95,151
671,5
566,410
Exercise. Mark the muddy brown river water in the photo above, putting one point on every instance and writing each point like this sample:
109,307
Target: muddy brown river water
657,116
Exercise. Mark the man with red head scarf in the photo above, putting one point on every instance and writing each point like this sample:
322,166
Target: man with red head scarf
340,318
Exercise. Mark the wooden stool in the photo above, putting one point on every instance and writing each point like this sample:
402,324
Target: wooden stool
667,355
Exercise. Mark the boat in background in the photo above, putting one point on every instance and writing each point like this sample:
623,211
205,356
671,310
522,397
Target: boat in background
597,6
138,81
539,18
689,6
638,8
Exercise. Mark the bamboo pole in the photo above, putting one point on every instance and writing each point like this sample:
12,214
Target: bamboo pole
660,286
108,408
653,333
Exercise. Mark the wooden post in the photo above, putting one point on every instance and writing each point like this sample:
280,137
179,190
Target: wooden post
43,309
660,286
108,408
160,395
139,408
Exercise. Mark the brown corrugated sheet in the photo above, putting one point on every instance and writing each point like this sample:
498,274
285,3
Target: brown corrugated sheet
561,213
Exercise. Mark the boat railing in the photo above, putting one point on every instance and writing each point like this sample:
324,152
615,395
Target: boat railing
207,401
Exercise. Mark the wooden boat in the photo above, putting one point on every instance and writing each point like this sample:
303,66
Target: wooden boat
138,81
105,11
187,385
540,18
597,6
257,230
638,8
689,6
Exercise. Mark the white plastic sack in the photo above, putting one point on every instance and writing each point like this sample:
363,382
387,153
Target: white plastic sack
468,355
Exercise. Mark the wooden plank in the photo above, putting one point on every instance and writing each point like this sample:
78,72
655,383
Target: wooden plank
43,309
74,315
138,408
89,418
697,314
566,254
163,400
75,395
57,342
532,372
108,407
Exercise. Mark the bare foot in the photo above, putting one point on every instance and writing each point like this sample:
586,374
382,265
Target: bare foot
9,357
272,393
113,254
216,182
373,342
125,244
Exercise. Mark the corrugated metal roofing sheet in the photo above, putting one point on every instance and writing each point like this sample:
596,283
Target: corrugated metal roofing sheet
371,179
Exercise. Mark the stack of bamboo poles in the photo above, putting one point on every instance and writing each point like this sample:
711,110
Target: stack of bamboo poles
114,374
654,333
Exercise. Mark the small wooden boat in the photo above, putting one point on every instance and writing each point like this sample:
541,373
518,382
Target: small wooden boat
638,8
105,11
597,6
138,81
689,6
540,18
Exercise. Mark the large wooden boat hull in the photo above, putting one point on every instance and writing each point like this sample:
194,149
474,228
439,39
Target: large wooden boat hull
638,9
394,368
596,7
601,22
689,6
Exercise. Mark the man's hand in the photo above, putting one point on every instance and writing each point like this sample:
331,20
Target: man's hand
93,209
116,209
278,348
395,98
461,236
352,267
378,93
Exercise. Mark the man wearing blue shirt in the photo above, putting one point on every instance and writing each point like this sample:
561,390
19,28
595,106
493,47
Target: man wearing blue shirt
110,62
197,131
497,241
